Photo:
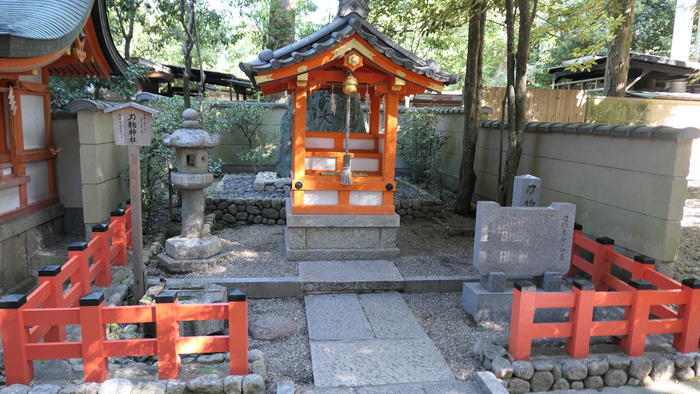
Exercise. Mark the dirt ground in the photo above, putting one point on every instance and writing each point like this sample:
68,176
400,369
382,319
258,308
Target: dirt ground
688,261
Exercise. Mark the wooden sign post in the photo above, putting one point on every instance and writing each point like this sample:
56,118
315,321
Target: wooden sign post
133,128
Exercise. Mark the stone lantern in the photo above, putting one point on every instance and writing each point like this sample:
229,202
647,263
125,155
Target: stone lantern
195,248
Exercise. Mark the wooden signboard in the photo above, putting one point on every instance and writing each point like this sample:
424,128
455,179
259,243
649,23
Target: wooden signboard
133,128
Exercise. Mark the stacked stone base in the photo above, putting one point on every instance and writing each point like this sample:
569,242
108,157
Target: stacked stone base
596,372
340,237
242,211
267,181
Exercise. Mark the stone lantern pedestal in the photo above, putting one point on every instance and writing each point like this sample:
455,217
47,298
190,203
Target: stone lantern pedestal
195,248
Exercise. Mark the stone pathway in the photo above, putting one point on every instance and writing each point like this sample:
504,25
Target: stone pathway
372,343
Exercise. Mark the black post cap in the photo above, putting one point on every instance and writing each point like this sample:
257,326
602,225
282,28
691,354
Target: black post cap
693,283
117,212
236,295
50,270
100,228
583,284
605,240
578,226
166,297
525,286
92,299
640,258
128,201
13,301
77,246
641,284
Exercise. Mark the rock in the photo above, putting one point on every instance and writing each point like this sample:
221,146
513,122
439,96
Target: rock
593,382
228,218
271,213
233,384
270,327
116,386
492,351
253,384
596,367
487,364
523,369
640,367
556,371
258,367
686,373
209,359
45,389
501,368
150,388
577,385
561,384
619,361
633,382
15,389
175,387
574,370
663,369
270,189
255,354
222,205
85,388
541,381
253,210
207,384
684,361
232,209
517,385
241,216
257,219
543,365
218,213
615,377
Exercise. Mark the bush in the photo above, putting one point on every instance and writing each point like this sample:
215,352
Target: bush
247,118
419,143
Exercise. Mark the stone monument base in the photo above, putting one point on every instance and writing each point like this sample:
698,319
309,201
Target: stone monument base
182,248
482,305
340,237
189,265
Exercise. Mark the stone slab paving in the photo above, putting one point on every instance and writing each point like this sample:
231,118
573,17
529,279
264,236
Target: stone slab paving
410,388
351,275
392,348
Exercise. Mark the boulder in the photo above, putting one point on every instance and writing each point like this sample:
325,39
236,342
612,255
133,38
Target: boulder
116,386
211,384
574,370
541,381
640,367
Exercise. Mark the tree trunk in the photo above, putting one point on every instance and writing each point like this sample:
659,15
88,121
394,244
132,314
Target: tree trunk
472,104
508,110
280,25
618,63
187,21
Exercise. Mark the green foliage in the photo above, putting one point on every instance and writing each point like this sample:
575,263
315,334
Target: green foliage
653,26
419,143
246,119
260,155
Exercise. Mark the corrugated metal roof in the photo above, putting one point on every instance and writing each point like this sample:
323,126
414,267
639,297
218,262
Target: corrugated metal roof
30,28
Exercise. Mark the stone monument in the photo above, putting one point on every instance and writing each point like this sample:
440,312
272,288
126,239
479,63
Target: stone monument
195,248
526,191
517,243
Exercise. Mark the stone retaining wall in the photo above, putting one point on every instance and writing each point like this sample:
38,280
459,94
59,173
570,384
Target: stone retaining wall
593,373
241,211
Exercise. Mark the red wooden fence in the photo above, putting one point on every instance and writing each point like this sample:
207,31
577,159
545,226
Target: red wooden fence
647,293
63,297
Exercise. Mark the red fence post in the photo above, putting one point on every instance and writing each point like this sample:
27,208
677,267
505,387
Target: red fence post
78,249
101,256
644,263
167,332
522,320
575,250
55,300
18,368
119,236
601,264
238,332
92,329
581,317
637,316
687,340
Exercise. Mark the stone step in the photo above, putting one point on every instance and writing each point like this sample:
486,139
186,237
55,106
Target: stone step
409,388
349,276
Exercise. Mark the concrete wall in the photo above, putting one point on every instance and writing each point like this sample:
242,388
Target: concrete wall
65,134
630,188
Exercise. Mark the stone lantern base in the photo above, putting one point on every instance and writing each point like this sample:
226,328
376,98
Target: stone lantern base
191,254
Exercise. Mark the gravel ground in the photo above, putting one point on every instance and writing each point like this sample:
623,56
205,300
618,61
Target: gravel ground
288,358
686,265
452,330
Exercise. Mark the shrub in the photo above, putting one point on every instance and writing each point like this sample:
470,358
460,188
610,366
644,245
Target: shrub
419,143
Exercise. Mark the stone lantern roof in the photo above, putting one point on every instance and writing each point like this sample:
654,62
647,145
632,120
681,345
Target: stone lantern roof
191,136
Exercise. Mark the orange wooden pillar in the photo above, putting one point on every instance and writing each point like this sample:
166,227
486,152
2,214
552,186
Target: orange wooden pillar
101,256
522,320
168,333
77,250
119,238
601,264
93,337
238,332
637,316
299,145
18,368
374,114
689,338
389,157
55,300
581,318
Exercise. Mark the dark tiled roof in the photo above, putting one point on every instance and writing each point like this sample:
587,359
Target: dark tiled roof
350,20
30,28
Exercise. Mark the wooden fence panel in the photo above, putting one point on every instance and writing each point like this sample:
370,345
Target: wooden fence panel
543,105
